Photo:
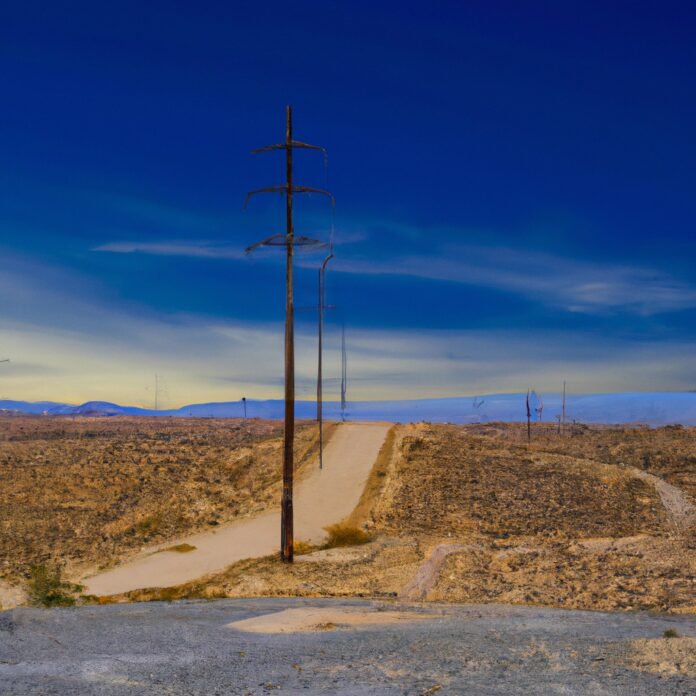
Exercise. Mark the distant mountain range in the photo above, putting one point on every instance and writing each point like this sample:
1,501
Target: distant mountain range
651,408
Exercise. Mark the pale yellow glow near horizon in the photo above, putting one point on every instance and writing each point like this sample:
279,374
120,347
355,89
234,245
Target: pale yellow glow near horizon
201,363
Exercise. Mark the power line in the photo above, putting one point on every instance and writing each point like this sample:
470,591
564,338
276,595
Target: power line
322,307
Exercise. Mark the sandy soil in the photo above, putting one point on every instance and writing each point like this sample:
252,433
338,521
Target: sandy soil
10,596
324,497
324,619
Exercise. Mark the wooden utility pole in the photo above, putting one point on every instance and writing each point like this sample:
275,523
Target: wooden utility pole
289,241
563,415
529,420
320,420
344,372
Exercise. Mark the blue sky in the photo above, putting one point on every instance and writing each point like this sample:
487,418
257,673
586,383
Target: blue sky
513,183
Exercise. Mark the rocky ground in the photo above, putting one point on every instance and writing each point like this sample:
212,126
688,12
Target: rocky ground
89,491
222,647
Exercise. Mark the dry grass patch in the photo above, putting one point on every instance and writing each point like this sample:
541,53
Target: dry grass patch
345,535
180,548
301,548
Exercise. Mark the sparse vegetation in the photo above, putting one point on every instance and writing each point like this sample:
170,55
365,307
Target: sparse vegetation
181,548
345,535
302,548
561,522
46,587
87,491
670,633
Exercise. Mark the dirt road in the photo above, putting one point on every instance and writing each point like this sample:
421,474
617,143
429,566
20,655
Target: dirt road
324,497
681,510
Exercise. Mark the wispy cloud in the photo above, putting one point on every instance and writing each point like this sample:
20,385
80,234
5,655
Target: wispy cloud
571,284
206,250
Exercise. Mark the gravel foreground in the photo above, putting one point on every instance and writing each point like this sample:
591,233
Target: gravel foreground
187,648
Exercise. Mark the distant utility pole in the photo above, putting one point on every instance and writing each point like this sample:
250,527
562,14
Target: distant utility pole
289,241
322,289
344,372
529,420
563,412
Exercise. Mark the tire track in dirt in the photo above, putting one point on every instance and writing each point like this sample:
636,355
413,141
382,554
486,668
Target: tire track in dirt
681,511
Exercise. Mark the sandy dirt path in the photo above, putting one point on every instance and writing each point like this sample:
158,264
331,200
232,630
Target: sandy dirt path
324,497
680,509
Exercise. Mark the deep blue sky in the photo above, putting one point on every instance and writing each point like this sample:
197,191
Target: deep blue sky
514,191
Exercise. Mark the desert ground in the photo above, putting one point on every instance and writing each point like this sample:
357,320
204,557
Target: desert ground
473,518
596,518
86,492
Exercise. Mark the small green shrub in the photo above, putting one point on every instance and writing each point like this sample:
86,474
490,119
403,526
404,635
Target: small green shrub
48,589
670,633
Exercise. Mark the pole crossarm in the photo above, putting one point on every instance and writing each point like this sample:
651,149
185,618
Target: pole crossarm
280,240
283,188
296,144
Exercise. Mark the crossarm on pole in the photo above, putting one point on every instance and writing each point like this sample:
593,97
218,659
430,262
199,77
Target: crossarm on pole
283,146
283,188
279,240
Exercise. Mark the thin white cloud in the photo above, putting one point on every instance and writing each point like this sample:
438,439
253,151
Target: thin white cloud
188,249
571,284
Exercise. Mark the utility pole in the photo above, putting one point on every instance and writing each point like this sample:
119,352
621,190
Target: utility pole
344,372
529,420
563,415
289,241
322,288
